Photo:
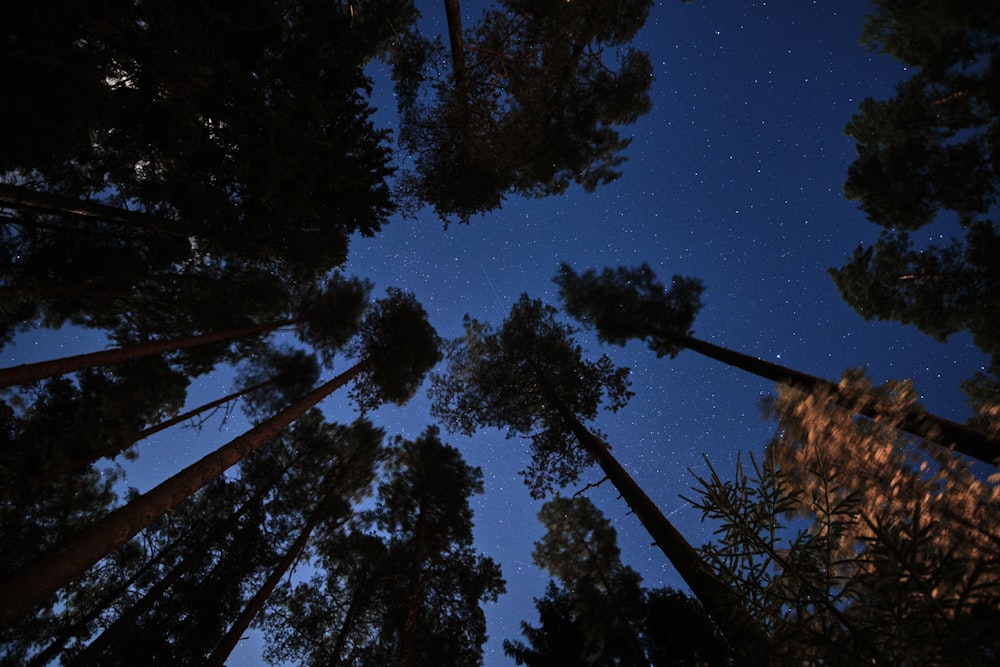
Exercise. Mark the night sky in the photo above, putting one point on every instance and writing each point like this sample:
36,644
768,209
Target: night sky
733,177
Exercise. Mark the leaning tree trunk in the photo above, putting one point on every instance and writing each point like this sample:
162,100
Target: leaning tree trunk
725,608
253,607
23,590
79,627
109,452
968,441
124,622
453,14
409,641
41,370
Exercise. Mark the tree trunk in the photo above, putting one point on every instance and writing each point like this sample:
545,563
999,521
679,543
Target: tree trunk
22,590
162,426
20,197
740,630
968,441
256,603
77,629
453,13
41,370
124,622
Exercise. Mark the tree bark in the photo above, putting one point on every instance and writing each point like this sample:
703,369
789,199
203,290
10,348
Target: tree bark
23,590
966,440
41,370
740,630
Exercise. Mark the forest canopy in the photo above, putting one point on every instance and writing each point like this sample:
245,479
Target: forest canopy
183,187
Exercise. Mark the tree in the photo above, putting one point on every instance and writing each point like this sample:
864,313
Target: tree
401,346
404,587
927,151
850,543
531,105
245,125
531,378
349,477
71,423
625,303
325,318
212,525
940,290
597,612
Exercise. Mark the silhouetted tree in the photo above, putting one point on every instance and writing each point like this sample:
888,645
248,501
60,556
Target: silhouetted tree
531,378
246,125
931,148
400,347
325,318
405,587
598,613
353,456
531,105
940,290
626,303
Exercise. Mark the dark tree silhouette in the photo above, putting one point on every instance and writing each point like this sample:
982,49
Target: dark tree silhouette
400,348
532,103
405,586
530,378
351,473
930,150
247,123
626,303
325,318
597,612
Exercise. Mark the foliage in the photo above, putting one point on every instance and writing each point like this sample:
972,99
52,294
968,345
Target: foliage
626,303
532,103
516,378
595,611
403,585
940,290
931,148
852,544
399,345
245,125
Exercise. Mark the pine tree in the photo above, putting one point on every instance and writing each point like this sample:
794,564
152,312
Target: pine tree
530,378
625,303
399,347
850,543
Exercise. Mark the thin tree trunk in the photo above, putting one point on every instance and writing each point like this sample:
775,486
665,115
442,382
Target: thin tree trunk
453,13
124,622
164,425
256,603
41,370
20,197
109,452
21,591
740,630
332,483
968,441
58,645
